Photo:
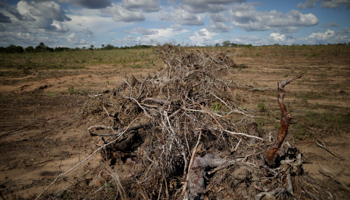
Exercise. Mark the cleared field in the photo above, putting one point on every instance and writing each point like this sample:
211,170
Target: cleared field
42,132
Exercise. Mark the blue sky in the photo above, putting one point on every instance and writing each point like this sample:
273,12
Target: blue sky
79,23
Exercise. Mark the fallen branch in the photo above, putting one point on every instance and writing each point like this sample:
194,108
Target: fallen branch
243,134
285,121
128,129
190,165
323,146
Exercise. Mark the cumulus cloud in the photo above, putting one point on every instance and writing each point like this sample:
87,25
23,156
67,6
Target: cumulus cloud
183,17
29,23
73,39
217,27
87,33
218,17
4,18
345,31
332,24
143,31
307,4
278,37
47,15
202,6
202,37
151,36
25,39
246,17
91,4
144,5
325,4
322,36
120,14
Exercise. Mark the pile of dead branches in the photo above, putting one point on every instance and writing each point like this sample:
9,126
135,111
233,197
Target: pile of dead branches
182,136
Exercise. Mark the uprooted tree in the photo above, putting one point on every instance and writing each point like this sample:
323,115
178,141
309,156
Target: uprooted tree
179,132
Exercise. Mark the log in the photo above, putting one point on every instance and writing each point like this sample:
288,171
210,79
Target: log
196,183
284,124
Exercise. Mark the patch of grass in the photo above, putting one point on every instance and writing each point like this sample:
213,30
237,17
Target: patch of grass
52,94
72,90
12,74
328,122
216,106
261,106
241,67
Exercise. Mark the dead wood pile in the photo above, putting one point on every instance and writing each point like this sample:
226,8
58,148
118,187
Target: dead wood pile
182,135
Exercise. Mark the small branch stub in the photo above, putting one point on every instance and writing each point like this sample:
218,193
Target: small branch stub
284,124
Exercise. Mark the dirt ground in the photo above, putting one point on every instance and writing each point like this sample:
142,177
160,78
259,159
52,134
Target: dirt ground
43,132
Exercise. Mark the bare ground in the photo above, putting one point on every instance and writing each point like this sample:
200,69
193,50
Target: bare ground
42,131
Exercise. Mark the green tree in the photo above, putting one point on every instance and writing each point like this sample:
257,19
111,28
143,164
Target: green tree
29,49
226,43
14,49
41,47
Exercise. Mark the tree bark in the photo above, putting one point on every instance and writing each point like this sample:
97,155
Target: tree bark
284,124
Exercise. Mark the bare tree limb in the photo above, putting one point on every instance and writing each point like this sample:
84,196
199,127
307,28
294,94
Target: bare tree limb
284,124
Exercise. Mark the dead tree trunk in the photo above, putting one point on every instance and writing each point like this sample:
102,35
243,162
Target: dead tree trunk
285,121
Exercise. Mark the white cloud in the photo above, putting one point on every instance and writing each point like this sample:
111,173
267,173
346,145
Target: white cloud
44,13
143,31
328,37
151,36
335,3
25,39
307,4
332,24
219,27
144,5
277,37
325,4
59,27
94,23
202,37
33,22
120,14
183,17
218,17
73,39
246,17
322,36
202,6
87,33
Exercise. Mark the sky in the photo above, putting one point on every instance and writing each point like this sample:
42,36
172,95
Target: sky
82,23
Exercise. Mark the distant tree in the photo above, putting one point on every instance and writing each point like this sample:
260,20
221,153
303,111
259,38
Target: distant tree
14,49
42,48
102,46
109,47
217,45
226,43
29,49
91,47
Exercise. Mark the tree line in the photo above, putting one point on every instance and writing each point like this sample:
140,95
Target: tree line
43,48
